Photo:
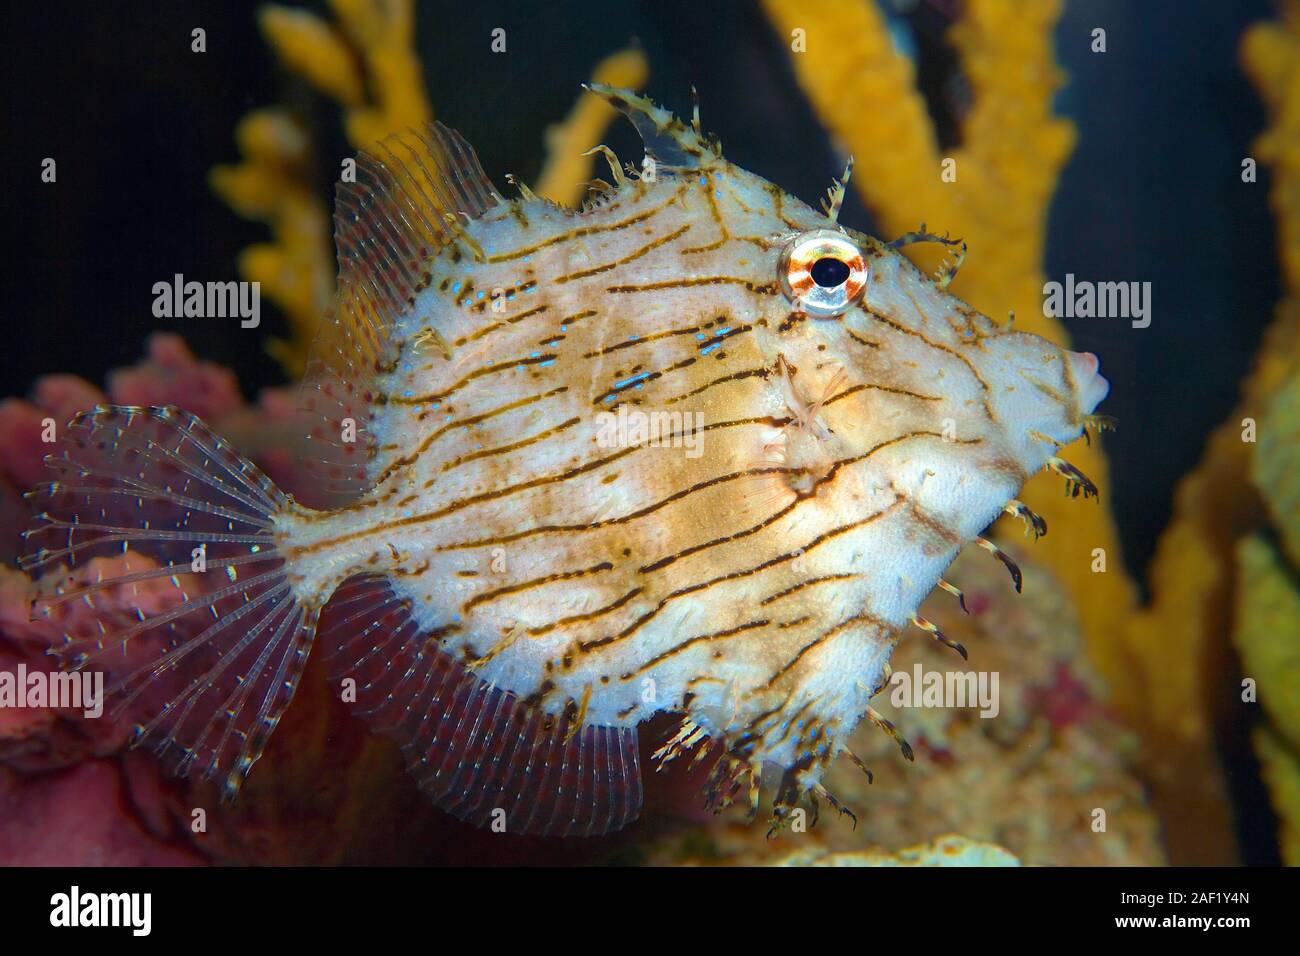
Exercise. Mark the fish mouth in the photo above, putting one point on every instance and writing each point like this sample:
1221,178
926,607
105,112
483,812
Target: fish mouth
1089,384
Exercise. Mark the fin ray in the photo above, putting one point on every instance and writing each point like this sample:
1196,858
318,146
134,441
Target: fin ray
199,636
412,193
480,752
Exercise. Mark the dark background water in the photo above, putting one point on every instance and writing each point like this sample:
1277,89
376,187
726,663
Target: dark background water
1153,191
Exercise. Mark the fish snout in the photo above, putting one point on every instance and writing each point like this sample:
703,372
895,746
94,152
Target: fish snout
1089,384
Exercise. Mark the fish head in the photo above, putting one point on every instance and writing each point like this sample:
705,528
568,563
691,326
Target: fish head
1014,390
1041,391
862,345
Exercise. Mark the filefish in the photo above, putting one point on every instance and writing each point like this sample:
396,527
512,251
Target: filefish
696,448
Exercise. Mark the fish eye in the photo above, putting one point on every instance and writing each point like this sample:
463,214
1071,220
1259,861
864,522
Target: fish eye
828,272
822,272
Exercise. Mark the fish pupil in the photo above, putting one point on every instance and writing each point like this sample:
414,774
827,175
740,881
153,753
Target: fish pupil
828,272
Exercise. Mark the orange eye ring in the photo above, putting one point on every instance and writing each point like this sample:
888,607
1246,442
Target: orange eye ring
822,272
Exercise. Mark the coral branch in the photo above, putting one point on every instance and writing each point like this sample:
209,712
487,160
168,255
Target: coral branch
1006,167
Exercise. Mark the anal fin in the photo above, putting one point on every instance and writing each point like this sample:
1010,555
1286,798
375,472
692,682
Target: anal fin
479,752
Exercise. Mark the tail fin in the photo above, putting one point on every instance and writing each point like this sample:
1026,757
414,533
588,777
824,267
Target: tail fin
168,536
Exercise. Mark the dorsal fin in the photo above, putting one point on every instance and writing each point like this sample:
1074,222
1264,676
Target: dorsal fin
413,194
667,140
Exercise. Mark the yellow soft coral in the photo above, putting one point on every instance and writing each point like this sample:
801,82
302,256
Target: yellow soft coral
1267,625
310,47
1271,56
383,32
1268,608
1006,168
1280,768
365,61
1275,467
1175,645
295,269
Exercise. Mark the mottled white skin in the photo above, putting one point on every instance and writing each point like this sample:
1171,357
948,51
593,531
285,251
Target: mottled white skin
780,678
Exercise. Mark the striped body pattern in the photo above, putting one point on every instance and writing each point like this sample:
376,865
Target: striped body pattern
613,463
